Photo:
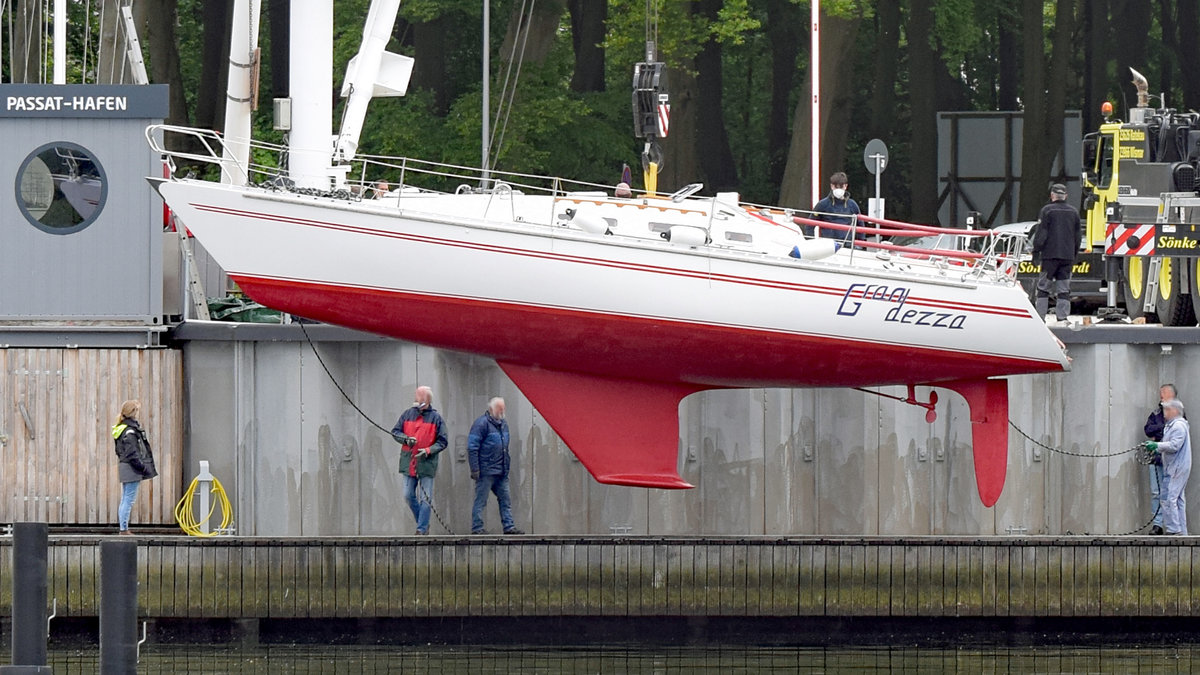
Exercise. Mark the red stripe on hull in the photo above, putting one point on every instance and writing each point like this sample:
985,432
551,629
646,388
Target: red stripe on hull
626,346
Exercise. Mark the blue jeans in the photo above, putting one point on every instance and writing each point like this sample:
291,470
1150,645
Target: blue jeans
1157,485
498,485
128,494
419,501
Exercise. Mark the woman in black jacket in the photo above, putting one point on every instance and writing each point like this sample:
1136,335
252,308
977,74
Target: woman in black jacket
136,460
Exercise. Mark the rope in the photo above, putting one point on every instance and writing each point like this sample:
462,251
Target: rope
1135,448
365,416
523,37
1068,452
185,512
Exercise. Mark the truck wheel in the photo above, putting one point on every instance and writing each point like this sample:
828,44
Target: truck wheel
1133,287
1174,309
1195,283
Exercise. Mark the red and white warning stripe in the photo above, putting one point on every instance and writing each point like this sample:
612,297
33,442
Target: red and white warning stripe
664,119
1129,239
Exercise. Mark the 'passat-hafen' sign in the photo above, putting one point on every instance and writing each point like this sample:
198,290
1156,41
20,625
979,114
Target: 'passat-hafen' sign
145,101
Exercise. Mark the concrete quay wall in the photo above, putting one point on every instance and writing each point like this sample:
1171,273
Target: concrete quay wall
298,460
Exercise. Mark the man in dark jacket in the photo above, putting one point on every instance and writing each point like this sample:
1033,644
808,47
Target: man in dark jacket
837,207
487,451
422,433
1054,245
1155,424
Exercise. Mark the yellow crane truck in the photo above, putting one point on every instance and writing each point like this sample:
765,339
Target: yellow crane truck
1142,209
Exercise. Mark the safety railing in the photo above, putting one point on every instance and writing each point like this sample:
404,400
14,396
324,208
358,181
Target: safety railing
365,176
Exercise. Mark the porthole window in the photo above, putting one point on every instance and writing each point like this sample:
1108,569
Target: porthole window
61,188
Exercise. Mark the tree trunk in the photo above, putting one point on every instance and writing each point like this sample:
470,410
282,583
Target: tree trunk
922,92
838,35
1007,61
1056,97
280,27
534,46
717,170
785,36
1096,53
1132,20
1042,139
429,69
26,42
587,35
163,46
887,63
110,52
1187,51
680,149
1034,174
214,65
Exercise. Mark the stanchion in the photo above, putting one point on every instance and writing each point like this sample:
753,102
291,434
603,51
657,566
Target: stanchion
118,606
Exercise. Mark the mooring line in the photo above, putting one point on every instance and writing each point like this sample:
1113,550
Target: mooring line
1080,454
367,417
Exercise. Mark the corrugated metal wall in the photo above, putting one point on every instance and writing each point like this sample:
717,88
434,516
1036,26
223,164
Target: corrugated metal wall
110,270
57,408
298,460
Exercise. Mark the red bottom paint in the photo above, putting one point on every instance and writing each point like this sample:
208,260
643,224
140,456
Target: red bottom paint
576,367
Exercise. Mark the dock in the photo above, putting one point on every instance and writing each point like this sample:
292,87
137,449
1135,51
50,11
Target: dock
248,578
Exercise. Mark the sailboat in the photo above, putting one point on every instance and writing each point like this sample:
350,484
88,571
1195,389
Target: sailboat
605,310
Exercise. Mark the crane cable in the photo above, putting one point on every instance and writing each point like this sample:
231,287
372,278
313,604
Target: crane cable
185,512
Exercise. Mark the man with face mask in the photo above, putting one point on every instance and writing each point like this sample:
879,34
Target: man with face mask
837,207
422,433
487,451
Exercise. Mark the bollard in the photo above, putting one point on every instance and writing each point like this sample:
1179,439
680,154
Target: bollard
118,606
205,478
29,632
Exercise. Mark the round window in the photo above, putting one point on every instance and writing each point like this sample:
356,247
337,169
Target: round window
61,188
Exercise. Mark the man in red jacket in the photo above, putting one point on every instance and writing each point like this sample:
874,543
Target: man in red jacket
422,433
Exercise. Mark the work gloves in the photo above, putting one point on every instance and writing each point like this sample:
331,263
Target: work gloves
1151,446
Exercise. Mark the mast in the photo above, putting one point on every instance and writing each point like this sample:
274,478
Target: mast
60,41
485,141
310,79
240,91
815,66
372,72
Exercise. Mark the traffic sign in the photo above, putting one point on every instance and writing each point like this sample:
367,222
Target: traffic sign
875,156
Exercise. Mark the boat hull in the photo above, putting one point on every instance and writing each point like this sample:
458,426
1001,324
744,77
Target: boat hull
579,321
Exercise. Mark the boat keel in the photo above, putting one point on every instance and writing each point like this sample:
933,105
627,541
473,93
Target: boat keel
988,402
626,432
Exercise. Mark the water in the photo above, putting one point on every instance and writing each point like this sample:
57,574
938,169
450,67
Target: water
1180,658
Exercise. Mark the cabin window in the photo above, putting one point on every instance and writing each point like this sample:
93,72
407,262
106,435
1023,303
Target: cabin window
742,237
661,227
61,188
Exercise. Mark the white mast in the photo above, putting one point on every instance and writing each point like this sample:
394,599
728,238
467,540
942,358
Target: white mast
310,81
815,66
485,141
372,72
60,41
239,94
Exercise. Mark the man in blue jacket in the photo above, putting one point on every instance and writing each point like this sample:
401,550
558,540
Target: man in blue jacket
837,207
487,451
1176,449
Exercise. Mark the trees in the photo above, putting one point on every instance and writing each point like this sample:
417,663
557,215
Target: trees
738,78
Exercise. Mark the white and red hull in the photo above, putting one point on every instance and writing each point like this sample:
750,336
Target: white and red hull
562,309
